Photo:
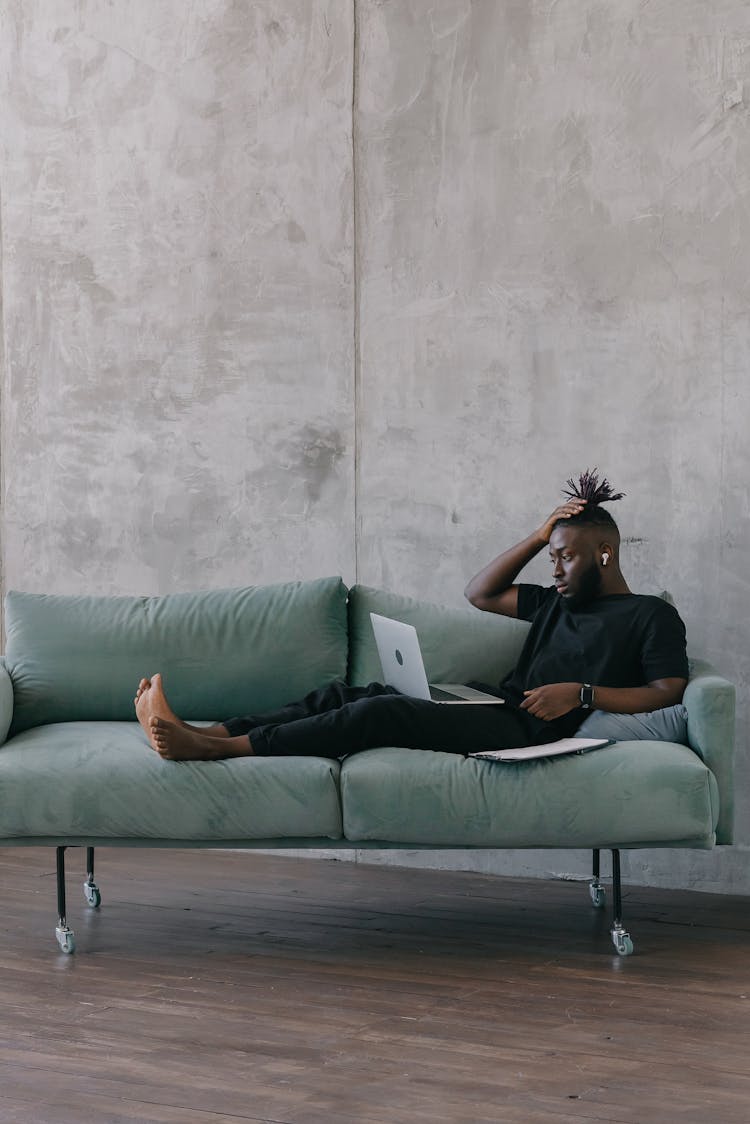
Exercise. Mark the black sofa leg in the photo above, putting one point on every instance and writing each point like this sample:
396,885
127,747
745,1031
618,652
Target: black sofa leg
90,888
620,937
65,936
596,890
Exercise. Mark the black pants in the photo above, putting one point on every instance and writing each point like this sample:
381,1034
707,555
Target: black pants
338,720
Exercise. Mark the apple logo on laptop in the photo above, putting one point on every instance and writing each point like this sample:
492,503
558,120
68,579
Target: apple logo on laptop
399,658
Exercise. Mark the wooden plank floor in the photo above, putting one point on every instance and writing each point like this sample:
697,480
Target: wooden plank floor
237,987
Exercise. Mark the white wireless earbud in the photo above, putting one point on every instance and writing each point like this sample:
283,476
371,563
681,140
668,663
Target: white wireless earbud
605,558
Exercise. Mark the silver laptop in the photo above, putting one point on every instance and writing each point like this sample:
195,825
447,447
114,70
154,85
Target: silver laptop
403,666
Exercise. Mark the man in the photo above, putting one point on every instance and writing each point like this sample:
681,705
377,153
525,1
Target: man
592,644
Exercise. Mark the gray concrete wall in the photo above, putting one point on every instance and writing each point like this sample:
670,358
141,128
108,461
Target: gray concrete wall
315,286
177,285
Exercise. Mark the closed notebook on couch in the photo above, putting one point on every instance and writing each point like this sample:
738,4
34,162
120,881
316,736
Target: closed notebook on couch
562,748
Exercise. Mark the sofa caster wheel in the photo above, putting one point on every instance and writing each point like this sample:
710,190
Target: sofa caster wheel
622,942
65,938
92,895
597,893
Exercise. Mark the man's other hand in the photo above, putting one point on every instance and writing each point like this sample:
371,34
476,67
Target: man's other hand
552,701
564,511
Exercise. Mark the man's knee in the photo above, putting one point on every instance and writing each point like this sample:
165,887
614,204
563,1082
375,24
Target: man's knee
397,719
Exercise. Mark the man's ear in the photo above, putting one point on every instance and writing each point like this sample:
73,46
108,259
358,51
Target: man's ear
606,553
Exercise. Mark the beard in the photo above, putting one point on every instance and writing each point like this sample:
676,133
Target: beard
589,587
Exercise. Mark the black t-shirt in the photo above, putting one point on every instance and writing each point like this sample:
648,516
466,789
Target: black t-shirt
622,640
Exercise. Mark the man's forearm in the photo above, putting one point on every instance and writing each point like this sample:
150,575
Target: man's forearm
500,574
635,700
553,700
492,588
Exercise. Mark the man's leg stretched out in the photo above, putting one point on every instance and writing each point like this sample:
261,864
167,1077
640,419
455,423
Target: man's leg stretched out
334,722
180,741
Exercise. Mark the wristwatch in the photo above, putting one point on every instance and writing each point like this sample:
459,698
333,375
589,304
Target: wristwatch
587,696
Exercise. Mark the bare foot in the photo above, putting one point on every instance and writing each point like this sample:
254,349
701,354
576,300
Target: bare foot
151,702
174,741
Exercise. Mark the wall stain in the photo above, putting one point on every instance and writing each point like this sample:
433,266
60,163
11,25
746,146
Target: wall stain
294,232
320,451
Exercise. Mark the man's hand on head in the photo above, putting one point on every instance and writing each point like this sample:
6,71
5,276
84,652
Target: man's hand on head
493,589
552,701
564,511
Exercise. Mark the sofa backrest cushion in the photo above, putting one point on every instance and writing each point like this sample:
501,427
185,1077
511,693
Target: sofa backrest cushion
221,652
458,645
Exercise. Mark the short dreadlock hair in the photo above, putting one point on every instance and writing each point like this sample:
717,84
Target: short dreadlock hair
596,493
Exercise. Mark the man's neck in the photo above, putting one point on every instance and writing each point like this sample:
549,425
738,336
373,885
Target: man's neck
613,583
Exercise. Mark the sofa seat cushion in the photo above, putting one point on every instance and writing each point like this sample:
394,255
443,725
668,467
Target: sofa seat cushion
642,793
102,780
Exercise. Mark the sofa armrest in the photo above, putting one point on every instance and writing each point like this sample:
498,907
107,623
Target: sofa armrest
709,699
6,701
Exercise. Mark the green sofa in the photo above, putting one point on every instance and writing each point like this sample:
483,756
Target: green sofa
76,770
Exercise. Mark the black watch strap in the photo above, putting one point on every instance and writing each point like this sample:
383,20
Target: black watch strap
587,696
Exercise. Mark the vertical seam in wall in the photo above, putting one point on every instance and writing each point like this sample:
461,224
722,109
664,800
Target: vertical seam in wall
722,450
3,371
355,280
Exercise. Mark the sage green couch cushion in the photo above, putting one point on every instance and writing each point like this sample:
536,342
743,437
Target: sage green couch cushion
458,645
625,795
221,652
102,780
